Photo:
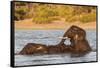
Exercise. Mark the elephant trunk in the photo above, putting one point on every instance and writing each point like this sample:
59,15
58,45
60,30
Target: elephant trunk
65,36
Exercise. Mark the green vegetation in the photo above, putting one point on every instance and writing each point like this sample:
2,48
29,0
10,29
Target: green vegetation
46,13
88,18
20,13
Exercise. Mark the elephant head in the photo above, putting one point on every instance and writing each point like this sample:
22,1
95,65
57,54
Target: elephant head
74,33
79,43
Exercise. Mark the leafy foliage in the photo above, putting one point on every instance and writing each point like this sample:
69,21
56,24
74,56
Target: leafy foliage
46,13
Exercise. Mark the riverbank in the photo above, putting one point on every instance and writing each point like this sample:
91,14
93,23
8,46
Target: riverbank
28,24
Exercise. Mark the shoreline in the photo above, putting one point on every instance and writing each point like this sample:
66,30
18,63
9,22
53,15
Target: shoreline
49,29
55,25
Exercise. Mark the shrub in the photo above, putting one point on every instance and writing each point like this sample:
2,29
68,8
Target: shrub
42,20
44,14
72,18
20,13
88,18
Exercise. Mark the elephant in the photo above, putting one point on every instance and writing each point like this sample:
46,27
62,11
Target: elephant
33,48
79,44
54,49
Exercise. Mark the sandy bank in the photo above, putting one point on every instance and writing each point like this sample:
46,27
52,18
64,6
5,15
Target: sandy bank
29,25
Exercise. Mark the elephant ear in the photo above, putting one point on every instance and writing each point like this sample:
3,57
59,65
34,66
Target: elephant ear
82,35
78,37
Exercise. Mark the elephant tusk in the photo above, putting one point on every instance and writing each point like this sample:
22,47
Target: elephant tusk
63,37
54,37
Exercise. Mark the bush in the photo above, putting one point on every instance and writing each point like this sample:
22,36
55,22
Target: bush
72,18
88,18
44,14
20,13
42,20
